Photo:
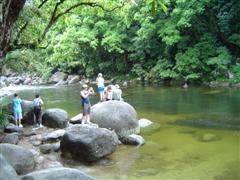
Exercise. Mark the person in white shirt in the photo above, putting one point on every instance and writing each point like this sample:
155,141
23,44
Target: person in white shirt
100,84
37,110
117,93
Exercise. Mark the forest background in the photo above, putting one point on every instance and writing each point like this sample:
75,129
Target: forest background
193,41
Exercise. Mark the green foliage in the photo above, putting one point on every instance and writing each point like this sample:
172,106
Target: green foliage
163,70
3,114
190,40
236,73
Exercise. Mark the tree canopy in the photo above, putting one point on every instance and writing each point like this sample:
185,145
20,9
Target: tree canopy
190,40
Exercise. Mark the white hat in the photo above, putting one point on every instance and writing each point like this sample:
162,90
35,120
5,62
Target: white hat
84,85
99,74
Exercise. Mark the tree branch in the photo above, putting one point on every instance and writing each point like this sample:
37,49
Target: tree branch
55,17
20,32
43,2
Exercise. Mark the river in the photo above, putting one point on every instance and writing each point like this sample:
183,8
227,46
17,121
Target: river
178,145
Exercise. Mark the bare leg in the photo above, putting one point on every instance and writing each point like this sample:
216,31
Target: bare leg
20,124
88,118
83,119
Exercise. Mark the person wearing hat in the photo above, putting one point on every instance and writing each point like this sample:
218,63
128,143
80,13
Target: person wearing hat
100,84
117,93
85,96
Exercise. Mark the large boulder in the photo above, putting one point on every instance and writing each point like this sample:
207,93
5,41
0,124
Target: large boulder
116,115
55,118
73,79
59,173
58,76
20,158
6,170
88,143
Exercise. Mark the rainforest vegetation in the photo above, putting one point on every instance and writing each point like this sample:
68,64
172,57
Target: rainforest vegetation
184,40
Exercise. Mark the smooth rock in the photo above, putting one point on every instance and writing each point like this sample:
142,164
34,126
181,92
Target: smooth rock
11,128
56,147
58,76
74,79
144,123
20,158
133,139
88,143
7,172
55,118
11,138
76,119
60,173
54,136
45,148
39,159
55,164
116,115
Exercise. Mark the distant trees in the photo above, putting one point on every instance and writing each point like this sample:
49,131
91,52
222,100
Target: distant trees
191,40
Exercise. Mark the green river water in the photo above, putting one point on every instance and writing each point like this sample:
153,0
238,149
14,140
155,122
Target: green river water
172,151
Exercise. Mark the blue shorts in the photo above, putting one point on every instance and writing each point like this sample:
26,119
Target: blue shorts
101,89
17,115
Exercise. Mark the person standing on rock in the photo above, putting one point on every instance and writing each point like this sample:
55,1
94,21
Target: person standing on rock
17,109
37,110
100,84
85,96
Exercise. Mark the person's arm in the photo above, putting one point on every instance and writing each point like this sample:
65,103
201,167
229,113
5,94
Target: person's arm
84,95
41,101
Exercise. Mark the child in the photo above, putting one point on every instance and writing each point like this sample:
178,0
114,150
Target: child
85,96
17,110
109,93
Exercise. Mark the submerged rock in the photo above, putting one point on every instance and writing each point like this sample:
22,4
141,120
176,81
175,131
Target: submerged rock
152,128
209,137
116,115
88,143
220,124
20,158
60,173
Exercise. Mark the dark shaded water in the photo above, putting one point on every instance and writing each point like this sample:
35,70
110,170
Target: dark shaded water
195,136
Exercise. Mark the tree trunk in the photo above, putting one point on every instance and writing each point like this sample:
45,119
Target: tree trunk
9,12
